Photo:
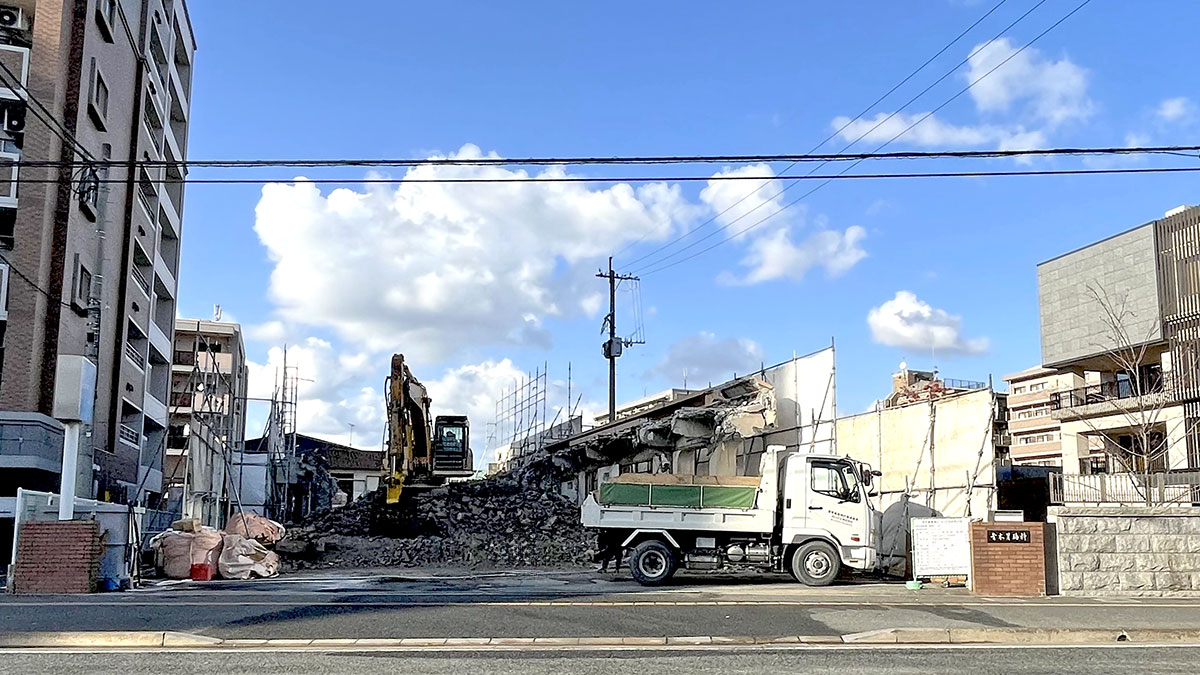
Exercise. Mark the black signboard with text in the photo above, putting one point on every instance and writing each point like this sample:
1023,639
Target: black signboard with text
1008,537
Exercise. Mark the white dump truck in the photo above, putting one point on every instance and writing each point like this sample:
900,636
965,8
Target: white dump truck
809,515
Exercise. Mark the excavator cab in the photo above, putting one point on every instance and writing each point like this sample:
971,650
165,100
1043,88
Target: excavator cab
452,447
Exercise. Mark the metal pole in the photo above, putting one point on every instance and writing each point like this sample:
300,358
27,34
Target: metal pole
612,341
70,458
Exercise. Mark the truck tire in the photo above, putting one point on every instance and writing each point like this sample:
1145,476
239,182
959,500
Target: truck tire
815,564
652,563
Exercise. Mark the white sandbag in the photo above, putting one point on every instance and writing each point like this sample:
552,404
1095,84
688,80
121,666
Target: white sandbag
206,546
242,558
254,526
173,553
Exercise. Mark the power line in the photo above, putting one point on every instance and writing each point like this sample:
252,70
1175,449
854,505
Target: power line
616,160
785,207
33,284
625,179
849,145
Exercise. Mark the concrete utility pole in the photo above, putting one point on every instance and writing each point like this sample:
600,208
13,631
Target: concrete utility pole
613,347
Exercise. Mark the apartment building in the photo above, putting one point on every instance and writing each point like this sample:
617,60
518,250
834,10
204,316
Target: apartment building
1148,279
207,426
90,247
1035,436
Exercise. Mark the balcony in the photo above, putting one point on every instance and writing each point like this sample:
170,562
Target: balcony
1031,423
160,341
1107,398
129,435
141,281
163,273
155,409
182,400
135,356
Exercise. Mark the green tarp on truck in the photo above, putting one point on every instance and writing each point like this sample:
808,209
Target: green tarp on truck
676,496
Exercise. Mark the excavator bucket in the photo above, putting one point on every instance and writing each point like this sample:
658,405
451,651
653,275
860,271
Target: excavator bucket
394,487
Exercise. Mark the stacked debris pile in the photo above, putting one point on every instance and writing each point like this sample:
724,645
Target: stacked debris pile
510,520
189,550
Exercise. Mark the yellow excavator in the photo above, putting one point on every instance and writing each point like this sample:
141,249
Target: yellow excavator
418,456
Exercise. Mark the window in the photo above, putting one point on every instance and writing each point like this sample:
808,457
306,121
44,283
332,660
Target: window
1019,390
81,286
1035,438
638,467
835,480
1037,386
89,192
97,96
8,225
106,17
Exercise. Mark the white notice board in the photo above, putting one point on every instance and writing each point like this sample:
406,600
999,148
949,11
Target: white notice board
941,547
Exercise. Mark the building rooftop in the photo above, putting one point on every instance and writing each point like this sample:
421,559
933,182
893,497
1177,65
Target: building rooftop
1030,373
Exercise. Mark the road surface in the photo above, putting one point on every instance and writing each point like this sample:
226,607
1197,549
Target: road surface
883,660
561,604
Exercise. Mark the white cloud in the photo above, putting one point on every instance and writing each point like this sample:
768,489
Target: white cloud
472,390
1022,102
702,358
742,202
330,391
930,132
907,322
777,256
431,269
1051,92
1175,109
772,251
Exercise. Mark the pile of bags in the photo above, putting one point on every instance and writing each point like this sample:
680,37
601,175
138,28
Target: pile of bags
190,550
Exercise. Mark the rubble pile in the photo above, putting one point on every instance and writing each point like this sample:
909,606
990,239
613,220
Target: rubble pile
504,521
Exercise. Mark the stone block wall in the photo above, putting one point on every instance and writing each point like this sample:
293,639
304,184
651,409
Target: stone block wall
1128,550
57,556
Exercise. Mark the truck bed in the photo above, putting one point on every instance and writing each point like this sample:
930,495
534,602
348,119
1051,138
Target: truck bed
633,517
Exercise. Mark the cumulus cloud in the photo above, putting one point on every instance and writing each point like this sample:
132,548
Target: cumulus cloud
432,268
1020,102
703,358
776,248
906,321
330,391
1175,109
1048,91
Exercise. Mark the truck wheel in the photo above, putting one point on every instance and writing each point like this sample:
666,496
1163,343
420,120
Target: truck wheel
652,563
815,564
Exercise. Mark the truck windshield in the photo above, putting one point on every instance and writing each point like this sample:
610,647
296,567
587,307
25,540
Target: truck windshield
851,478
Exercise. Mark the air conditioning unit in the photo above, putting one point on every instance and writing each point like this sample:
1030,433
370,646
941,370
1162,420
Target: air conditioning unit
14,18
14,118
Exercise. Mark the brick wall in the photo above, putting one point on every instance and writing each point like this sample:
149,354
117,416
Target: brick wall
57,556
1128,550
1008,568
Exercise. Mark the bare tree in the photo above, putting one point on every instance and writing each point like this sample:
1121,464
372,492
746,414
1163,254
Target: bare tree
1139,394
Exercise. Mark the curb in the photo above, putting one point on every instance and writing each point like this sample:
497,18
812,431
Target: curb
906,636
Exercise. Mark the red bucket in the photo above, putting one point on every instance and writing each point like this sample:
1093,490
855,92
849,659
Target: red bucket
202,572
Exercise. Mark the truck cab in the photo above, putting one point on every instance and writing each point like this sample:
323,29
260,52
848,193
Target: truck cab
809,515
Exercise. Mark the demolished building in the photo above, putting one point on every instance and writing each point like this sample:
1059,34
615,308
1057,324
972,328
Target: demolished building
718,431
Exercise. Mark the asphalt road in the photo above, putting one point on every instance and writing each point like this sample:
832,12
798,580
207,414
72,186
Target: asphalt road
873,661
561,604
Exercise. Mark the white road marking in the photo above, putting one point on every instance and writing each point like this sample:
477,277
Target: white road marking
178,602
590,648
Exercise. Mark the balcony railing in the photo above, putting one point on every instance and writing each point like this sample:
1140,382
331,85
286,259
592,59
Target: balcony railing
141,280
129,435
135,356
952,383
1099,393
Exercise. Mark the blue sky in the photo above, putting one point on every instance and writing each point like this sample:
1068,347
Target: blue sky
947,265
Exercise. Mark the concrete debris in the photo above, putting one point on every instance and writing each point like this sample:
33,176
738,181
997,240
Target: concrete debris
504,521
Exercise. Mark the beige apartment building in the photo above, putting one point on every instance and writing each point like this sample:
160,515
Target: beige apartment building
90,247
1035,436
207,428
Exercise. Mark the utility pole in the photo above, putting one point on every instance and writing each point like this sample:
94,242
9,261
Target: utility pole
613,347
